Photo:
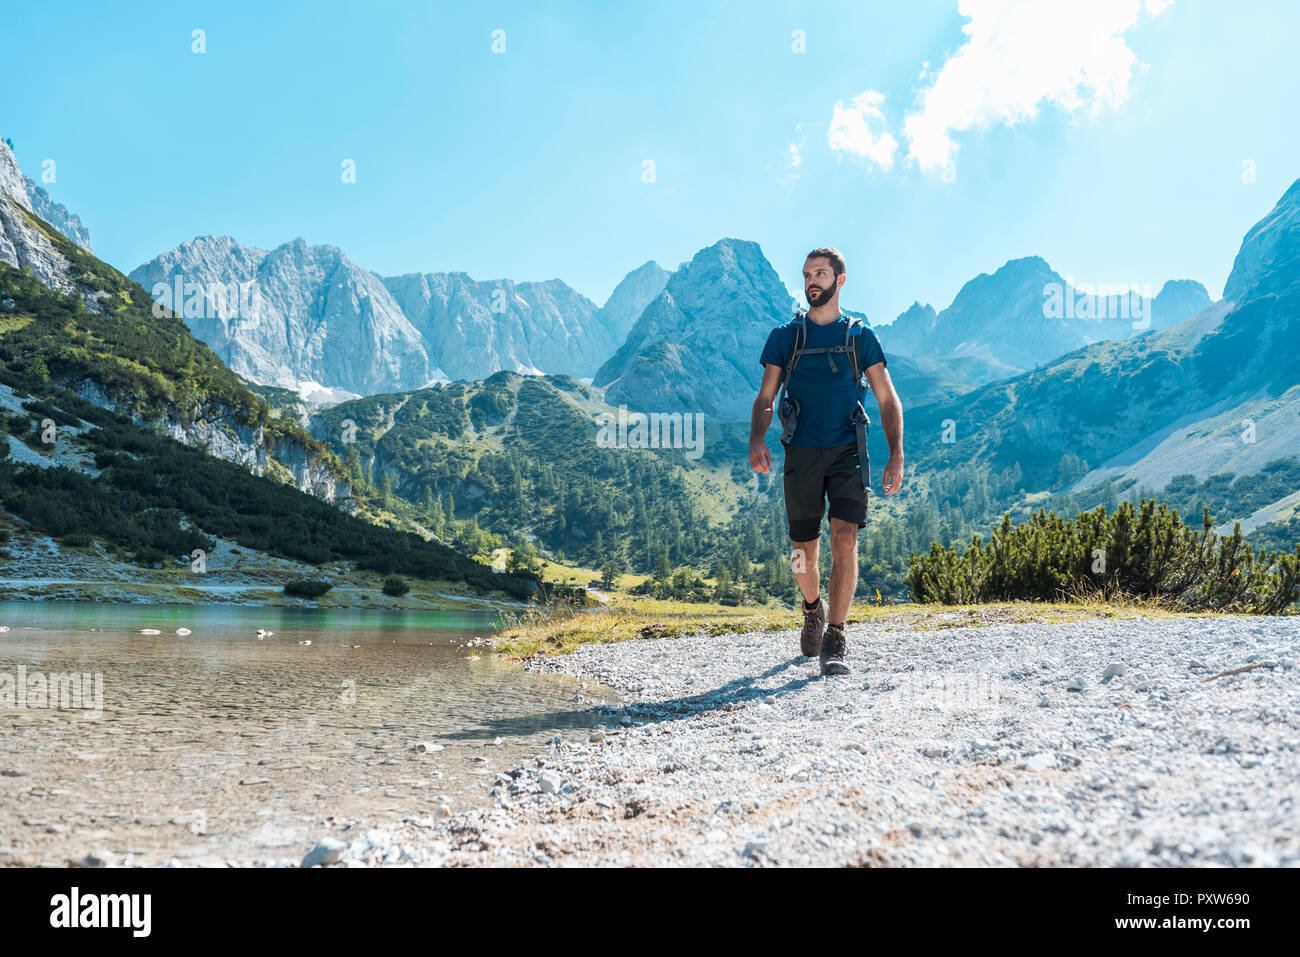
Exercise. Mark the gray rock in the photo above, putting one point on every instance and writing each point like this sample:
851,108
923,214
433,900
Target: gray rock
23,245
328,850
98,858
57,215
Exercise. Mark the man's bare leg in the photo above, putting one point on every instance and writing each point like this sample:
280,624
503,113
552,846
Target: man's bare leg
844,568
803,563
844,579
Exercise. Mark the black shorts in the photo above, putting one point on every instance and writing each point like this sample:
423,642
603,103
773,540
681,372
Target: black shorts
814,476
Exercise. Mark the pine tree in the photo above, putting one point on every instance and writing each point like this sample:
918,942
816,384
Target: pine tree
352,464
661,567
609,573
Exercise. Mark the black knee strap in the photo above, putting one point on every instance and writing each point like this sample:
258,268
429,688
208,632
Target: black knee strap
805,529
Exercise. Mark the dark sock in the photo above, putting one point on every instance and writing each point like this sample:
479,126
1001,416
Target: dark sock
839,627
807,606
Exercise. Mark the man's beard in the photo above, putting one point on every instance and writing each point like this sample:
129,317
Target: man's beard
825,296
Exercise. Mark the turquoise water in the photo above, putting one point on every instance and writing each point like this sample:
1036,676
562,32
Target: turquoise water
222,621
223,744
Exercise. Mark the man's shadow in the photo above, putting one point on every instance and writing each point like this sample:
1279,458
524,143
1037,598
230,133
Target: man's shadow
736,691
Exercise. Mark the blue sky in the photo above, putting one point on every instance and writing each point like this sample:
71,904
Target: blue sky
529,164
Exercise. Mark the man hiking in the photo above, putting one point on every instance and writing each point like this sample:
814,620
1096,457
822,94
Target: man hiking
817,361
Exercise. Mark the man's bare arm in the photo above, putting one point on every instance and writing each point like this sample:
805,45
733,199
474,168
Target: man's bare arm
891,420
760,419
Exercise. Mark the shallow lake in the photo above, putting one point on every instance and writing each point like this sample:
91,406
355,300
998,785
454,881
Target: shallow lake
220,745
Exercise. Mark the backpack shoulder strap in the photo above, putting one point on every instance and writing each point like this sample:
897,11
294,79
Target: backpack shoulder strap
852,350
796,346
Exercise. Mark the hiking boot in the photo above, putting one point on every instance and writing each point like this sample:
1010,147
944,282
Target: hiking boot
814,623
834,651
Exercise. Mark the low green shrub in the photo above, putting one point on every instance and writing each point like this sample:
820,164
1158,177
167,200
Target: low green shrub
306,587
396,587
1138,553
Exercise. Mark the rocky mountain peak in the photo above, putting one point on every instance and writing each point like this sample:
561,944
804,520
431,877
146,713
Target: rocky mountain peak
30,195
12,182
630,297
1269,257
695,348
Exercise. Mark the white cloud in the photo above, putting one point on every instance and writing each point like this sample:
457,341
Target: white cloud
850,130
793,161
1019,55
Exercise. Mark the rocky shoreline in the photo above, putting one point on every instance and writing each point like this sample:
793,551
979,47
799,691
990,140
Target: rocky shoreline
1093,743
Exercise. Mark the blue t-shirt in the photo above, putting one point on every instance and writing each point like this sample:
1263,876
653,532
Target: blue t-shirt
826,399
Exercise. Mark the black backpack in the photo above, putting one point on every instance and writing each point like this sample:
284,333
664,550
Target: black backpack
788,407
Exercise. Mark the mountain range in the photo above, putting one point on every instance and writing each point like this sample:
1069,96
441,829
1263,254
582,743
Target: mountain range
681,341
313,318
1217,394
696,347
1025,314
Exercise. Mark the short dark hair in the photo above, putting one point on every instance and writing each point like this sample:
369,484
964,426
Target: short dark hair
829,252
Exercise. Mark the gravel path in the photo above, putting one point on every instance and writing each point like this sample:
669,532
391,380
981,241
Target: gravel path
1097,742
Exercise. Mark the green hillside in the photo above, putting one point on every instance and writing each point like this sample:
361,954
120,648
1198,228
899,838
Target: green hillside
519,454
147,494
150,365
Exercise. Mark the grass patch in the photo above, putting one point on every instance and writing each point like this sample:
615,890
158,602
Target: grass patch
559,629
14,323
